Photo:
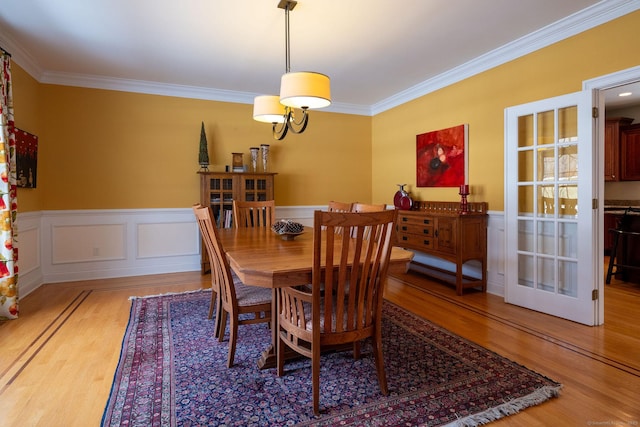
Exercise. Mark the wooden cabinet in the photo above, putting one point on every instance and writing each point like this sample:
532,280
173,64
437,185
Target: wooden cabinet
612,147
630,149
220,189
439,229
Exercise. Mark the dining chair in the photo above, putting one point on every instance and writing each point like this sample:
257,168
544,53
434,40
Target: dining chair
365,207
235,298
344,305
334,206
254,214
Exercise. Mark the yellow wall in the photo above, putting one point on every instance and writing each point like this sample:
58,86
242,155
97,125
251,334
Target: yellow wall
103,149
480,101
106,149
26,107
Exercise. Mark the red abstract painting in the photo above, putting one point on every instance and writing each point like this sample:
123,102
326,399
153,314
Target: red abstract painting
441,157
26,158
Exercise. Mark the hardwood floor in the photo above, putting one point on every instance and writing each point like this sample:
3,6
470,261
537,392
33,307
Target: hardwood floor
57,361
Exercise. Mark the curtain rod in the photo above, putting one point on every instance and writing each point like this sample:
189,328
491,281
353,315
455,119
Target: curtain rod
4,51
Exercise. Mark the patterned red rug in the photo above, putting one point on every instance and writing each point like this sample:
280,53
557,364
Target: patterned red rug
173,373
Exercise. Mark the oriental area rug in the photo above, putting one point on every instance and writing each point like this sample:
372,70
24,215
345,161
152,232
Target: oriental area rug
172,372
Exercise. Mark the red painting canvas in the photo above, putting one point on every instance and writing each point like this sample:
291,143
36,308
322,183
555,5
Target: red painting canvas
441,159
26,158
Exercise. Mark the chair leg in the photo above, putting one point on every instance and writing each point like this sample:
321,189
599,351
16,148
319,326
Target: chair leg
233,335
281,348
216,304
223,324
315,378
612,257
379,359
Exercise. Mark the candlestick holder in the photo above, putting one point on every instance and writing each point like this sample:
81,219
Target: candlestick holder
464,192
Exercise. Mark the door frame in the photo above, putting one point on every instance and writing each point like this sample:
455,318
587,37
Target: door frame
602,83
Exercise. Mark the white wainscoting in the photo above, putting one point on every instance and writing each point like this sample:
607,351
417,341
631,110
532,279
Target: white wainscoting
72,245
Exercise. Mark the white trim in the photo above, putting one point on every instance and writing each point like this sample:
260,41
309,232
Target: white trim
189,260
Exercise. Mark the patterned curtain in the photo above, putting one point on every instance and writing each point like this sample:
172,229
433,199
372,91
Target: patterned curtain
8,197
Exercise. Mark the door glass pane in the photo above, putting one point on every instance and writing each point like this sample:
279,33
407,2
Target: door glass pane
525,235
568,278
568,162
568,201
546,237
568,239
546,200
546,164
546,128
525,200
546,276
525,270
525,166
568,123
525,131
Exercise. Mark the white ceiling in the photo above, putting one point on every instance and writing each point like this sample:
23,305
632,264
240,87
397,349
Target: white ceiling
378,53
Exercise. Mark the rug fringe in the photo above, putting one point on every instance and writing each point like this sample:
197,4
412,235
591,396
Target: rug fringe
131,298
508,408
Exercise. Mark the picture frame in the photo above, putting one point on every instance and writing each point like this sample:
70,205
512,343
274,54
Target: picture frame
26,159
442,157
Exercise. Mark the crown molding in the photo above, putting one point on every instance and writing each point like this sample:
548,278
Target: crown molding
586,19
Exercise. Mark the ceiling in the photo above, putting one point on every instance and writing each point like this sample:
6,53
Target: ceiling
378,53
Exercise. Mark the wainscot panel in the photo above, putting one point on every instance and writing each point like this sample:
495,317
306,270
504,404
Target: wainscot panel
61,246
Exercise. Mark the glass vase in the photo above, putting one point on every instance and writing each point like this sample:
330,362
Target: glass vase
265,157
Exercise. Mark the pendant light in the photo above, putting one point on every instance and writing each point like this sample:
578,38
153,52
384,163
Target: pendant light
298,91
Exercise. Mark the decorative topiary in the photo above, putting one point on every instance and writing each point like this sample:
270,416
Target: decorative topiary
203,156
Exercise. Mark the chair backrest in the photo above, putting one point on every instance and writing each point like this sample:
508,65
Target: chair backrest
334,206
220,270
353,270
364,207
254,214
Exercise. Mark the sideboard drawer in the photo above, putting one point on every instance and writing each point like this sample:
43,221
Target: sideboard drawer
420,230
413,219
422,242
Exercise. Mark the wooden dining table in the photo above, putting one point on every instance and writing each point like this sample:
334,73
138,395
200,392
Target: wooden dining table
263,258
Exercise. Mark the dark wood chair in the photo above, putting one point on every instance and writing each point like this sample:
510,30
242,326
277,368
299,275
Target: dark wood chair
254,214
235,298
344,305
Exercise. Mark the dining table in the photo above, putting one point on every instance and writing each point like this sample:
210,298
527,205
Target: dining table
260,257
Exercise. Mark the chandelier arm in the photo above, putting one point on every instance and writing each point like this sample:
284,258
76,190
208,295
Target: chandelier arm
300,126
280,133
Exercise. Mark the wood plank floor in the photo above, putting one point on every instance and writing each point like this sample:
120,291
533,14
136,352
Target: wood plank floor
57,361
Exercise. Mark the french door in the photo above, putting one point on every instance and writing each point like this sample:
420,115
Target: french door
551,212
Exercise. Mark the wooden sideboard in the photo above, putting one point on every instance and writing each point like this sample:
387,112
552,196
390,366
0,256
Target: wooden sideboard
441,230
